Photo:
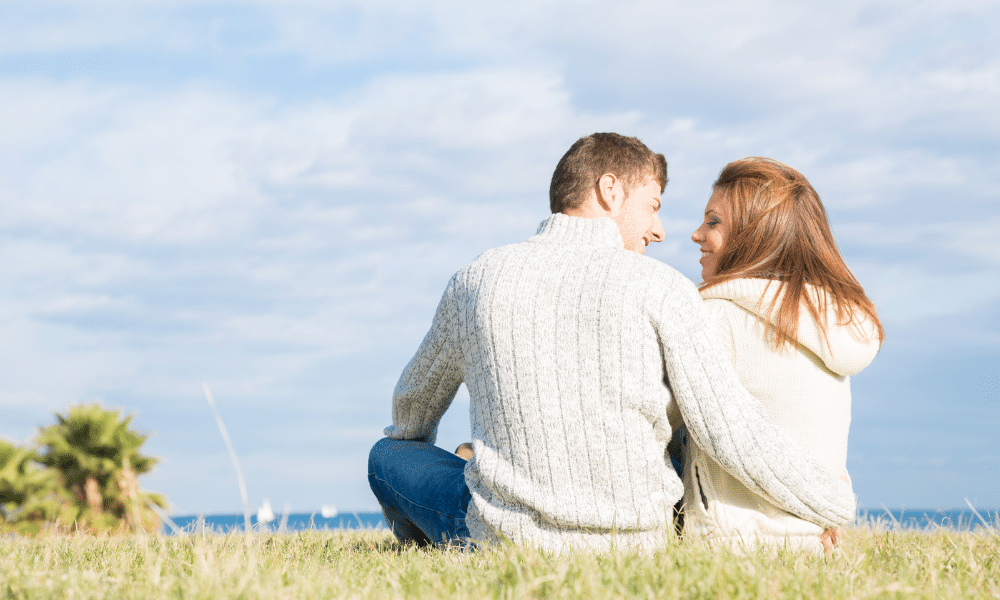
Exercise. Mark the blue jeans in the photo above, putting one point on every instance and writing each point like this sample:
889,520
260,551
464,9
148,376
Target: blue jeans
422,491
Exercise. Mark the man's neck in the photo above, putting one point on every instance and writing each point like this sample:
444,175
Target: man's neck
587,210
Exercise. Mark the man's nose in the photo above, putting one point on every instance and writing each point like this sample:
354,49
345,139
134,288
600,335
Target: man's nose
657,231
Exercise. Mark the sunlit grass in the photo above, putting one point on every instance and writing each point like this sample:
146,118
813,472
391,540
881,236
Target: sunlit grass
875,563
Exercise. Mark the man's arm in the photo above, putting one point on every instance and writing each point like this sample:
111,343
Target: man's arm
429,382
732,426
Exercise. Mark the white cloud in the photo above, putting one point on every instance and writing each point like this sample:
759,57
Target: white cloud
913,295
207,222
199,234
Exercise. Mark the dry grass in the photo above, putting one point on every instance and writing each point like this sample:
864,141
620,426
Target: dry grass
875,563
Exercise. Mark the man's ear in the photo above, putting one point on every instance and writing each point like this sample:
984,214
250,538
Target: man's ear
610,193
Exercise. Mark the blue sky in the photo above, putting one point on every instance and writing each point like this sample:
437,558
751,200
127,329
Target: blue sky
270,197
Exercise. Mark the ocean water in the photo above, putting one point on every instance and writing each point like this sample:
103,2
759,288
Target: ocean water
295,522
893,518
930,519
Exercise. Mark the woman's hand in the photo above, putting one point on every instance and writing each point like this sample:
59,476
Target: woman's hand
830,539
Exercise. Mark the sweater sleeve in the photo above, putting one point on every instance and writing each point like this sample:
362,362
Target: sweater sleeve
429,382
731,426
720,318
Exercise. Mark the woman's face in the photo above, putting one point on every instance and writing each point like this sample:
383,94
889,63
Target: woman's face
712,235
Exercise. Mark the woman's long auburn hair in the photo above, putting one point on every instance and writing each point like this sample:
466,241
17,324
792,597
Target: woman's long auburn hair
779,230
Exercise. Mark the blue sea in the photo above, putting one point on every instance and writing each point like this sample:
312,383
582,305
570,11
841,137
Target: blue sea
930,518
294,522
894,518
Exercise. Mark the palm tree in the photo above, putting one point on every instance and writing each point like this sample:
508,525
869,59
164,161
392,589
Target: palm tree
97,456
31,498
15,466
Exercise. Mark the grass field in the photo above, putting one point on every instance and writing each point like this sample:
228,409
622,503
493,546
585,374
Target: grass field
874,563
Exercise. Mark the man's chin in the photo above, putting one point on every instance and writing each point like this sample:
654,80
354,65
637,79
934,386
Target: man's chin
638,247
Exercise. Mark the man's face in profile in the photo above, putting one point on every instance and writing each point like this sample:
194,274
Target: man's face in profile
639,218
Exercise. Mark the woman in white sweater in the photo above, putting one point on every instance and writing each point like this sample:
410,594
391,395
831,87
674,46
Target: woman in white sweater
796,323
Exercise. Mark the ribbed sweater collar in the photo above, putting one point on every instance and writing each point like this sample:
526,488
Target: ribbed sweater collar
564,229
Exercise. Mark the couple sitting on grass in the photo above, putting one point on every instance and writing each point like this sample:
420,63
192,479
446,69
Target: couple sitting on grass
583,358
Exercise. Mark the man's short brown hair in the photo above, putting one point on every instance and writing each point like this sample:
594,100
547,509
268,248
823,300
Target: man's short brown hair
592,157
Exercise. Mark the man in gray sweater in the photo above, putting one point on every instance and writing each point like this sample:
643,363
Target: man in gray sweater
581,357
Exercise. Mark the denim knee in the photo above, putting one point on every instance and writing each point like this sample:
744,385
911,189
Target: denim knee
376,453
376,458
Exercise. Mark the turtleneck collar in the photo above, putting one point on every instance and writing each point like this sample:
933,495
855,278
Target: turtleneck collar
564,229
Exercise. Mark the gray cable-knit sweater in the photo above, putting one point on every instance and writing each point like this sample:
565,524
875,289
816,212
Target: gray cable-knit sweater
581,358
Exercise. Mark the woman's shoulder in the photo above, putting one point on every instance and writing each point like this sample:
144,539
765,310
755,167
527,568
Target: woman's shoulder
741,291
740,299
845,348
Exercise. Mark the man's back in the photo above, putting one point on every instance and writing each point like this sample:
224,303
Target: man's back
569,404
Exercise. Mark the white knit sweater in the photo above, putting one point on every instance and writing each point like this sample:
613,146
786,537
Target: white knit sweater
580,359
807,395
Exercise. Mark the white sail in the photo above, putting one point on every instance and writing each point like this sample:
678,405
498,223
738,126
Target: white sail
328,511
264,513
